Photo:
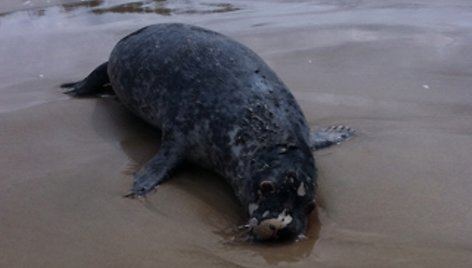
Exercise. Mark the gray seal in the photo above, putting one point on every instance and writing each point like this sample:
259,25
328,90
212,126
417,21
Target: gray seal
218,105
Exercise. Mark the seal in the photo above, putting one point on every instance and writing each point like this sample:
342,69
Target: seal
219,106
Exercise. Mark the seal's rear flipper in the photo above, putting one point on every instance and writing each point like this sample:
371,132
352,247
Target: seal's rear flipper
94,83
326,137
157,169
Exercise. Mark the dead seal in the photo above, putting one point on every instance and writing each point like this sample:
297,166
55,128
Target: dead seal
220,106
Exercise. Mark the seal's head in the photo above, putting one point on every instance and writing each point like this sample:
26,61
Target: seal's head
283,198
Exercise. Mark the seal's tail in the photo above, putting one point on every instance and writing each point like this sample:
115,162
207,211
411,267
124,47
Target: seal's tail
94,83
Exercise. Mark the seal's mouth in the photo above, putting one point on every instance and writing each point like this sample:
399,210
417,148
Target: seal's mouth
282,227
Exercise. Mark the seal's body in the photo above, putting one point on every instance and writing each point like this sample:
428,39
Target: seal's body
220,106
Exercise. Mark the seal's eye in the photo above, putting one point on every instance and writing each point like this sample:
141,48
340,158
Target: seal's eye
290,178
267,187
310,207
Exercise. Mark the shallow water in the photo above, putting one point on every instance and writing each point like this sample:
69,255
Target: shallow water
395,196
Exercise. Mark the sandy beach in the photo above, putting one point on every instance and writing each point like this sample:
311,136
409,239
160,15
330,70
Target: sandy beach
400,73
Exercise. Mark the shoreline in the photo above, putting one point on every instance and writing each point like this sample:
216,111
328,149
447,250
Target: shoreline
395,195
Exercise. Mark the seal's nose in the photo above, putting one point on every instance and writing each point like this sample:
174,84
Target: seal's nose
273,228
268,229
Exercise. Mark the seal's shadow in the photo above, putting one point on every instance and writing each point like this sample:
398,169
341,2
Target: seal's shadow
139,141
115,124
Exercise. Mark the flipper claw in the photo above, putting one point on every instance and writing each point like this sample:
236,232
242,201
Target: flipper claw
131,195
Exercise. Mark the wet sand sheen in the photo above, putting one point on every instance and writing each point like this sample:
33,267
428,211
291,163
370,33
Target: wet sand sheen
396,196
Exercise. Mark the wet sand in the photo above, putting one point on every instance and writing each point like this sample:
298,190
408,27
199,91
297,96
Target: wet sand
395,196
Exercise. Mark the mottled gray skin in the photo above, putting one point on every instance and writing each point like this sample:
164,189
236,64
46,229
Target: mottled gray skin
220,106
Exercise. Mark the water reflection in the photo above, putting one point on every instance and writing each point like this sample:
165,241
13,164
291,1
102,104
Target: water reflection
69,7
160,7
166,9
274,253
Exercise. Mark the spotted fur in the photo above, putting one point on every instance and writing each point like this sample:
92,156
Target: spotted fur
220,106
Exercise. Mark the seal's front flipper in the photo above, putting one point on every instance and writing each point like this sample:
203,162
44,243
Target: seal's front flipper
326,137
94,83
157,169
